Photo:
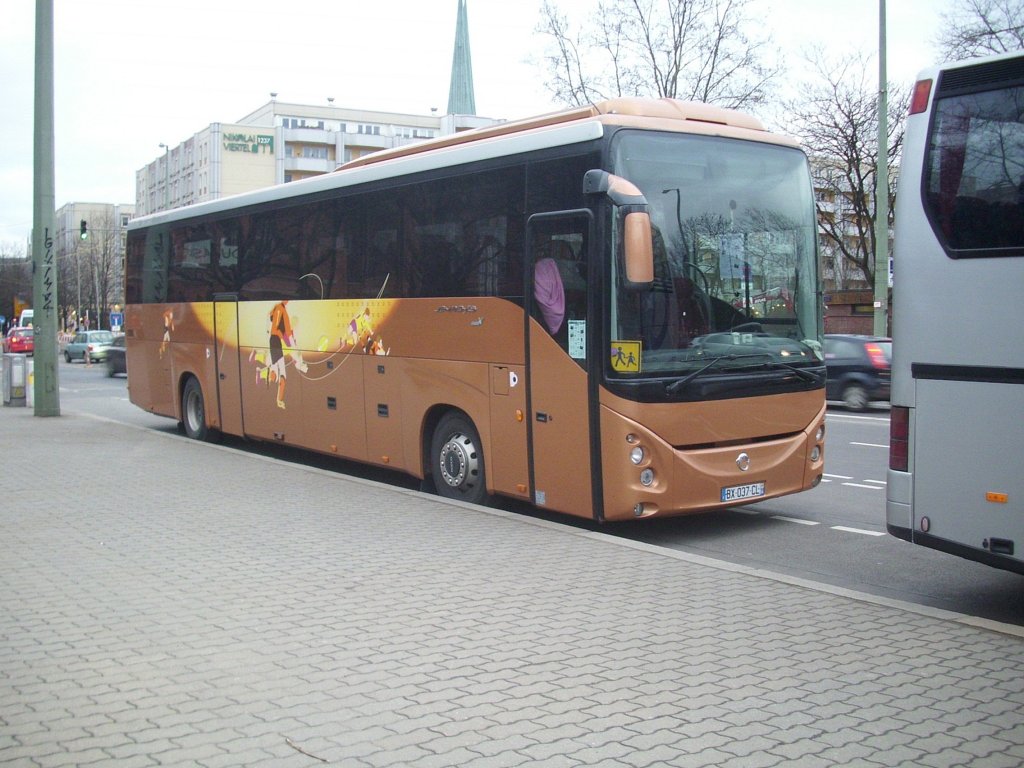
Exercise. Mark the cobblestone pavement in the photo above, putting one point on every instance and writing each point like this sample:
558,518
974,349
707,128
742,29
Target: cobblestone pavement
171,603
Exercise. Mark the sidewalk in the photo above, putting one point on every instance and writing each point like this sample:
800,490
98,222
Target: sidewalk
166,602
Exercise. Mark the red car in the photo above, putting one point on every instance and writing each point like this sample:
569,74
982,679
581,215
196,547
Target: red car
20,340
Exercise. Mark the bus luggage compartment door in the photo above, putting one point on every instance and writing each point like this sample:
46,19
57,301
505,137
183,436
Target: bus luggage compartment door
967,499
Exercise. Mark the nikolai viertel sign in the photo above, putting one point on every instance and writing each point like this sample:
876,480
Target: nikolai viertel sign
246,142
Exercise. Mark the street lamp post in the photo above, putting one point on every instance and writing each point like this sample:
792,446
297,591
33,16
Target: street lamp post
45,386
78,281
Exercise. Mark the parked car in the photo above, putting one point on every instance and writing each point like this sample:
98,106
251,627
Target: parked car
20,340
95,342
859,369
116,358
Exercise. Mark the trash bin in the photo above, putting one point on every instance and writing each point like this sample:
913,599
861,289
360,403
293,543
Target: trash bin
14,379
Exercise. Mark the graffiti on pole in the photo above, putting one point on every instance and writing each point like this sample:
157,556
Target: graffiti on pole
48,281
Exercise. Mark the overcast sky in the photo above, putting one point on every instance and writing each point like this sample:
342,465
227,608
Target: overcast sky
131,74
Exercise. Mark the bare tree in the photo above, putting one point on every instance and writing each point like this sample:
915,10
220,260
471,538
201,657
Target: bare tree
700,50
90,272
982,27
836,119
101,267
15,279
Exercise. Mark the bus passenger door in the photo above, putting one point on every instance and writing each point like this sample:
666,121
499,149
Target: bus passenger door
227,366
558,325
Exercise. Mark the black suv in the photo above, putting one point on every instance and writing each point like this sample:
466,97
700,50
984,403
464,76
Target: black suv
858,368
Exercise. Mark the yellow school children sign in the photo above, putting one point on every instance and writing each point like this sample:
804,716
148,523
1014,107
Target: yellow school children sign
626,356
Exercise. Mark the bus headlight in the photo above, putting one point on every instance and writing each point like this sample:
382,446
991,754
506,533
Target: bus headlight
636,455
820,434
815,453
647,477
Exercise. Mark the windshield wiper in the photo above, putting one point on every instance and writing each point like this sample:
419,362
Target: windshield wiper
675,386
803,373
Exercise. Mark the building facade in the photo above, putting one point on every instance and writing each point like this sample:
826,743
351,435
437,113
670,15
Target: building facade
275,144
845,216
90,269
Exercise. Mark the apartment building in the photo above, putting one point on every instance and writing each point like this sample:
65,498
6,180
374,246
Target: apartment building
277,143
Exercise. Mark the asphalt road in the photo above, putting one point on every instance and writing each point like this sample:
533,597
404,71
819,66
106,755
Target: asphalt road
834,534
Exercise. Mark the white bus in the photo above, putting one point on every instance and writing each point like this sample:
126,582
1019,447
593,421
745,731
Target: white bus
954,481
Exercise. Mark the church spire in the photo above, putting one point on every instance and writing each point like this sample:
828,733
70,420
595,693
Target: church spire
460,93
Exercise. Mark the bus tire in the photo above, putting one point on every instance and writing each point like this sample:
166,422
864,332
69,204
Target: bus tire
457,460
193,412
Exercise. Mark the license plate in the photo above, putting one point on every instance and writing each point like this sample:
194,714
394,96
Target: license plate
740,492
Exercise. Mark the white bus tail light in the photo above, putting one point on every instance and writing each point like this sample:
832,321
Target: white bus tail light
899,438
919,99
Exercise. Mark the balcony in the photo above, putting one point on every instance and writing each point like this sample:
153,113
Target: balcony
309,164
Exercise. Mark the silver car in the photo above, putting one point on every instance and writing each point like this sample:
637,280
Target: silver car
96,343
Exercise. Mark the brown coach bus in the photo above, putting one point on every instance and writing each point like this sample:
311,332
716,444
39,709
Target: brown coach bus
612,312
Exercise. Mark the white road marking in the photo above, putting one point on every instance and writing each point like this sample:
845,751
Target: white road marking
837,477
861,485
857,530
870,445
797,520
884,419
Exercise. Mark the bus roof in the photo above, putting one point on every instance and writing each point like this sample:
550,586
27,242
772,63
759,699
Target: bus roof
664,109
556,129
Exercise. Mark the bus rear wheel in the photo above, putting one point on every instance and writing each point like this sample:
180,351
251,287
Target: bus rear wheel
193,412
457,460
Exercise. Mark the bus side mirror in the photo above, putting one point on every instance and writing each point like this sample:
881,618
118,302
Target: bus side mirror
638,250
632,213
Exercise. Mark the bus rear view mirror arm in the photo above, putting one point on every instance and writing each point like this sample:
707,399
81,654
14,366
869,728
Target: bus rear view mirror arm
633,214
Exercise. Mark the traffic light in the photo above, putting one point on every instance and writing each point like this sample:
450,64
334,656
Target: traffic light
83,230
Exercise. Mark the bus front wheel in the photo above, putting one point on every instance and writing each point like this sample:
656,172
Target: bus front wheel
457,460
193,412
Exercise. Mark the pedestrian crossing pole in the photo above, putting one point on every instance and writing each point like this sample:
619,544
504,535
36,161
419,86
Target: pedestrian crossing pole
881,326
44,260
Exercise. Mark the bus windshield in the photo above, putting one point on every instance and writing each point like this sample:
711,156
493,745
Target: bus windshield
735,283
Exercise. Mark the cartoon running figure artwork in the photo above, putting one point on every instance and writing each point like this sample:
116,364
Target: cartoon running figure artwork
360,328
271,362
281,333
168,327
375,346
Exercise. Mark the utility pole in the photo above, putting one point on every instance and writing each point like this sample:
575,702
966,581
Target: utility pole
44,263
881,327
